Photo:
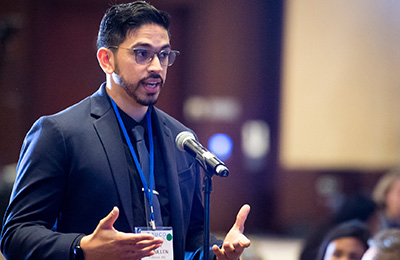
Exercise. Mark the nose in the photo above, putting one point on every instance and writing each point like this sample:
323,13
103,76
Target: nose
155,64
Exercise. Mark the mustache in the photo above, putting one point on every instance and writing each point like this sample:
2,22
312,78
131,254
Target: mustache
153,76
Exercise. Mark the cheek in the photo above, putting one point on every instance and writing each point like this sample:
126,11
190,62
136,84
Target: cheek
393,199
164,74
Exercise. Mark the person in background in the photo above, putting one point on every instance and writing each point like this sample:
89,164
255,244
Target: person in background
386,194
91,175
384,246
7,177
355,207
346,241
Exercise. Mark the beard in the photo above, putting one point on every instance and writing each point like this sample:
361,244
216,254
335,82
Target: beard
133,90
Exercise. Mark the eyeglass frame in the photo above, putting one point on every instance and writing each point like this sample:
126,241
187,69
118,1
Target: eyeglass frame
150,59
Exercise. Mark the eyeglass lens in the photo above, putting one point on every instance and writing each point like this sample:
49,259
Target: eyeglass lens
144,56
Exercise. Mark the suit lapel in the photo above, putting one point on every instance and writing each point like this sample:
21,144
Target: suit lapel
109,134
108,131
167,143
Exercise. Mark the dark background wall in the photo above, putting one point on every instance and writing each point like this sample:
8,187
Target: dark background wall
228,48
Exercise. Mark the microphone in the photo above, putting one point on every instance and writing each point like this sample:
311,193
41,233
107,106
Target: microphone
185,141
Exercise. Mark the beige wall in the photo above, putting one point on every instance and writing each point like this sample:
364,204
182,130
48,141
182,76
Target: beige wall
341,84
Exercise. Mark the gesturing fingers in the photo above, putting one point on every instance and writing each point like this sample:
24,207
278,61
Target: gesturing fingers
217,251
137,246
139,241
241,217
229,251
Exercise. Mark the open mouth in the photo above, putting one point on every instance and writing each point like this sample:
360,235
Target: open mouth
152,85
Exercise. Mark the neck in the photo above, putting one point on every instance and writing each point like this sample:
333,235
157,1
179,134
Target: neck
125,102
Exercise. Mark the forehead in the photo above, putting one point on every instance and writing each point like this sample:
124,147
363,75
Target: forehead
348,244
148,34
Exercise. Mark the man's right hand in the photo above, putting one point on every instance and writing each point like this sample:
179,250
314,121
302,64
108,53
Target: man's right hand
108,243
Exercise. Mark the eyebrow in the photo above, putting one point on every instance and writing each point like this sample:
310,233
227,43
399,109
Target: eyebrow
146,45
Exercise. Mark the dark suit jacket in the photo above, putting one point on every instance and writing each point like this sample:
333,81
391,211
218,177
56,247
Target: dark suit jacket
73,170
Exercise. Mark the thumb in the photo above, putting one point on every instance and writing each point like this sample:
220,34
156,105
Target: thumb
241,217
109,220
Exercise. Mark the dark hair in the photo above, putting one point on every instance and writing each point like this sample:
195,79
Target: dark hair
355,229
120,19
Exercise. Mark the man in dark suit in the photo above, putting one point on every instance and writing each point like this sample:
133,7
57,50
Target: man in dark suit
80,189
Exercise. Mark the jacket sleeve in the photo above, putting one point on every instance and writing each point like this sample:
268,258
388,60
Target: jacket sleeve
31,217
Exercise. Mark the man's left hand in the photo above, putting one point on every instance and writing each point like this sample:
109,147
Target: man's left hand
235,241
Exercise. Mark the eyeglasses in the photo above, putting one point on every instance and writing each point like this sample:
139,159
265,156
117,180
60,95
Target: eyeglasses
145,56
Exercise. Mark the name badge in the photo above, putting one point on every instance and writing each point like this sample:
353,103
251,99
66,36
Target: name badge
165,251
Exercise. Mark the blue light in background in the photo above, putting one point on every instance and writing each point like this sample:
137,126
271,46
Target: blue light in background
221,145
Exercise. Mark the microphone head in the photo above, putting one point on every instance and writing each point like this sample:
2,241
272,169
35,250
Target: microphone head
181,138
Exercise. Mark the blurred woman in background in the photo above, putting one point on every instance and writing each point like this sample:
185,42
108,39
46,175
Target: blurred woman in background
384,246
387,197
346,241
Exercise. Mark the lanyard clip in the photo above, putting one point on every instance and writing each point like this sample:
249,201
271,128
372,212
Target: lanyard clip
152,218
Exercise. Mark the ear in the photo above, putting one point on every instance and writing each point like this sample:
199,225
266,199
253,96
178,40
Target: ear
105,58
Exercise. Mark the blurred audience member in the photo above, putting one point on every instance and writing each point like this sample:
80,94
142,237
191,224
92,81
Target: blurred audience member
387,196
384,246
355,207
7,177
346,241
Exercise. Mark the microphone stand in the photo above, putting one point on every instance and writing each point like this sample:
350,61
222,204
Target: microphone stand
207,188
186,141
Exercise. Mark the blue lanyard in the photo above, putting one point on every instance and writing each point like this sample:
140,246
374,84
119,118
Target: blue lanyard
148,190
